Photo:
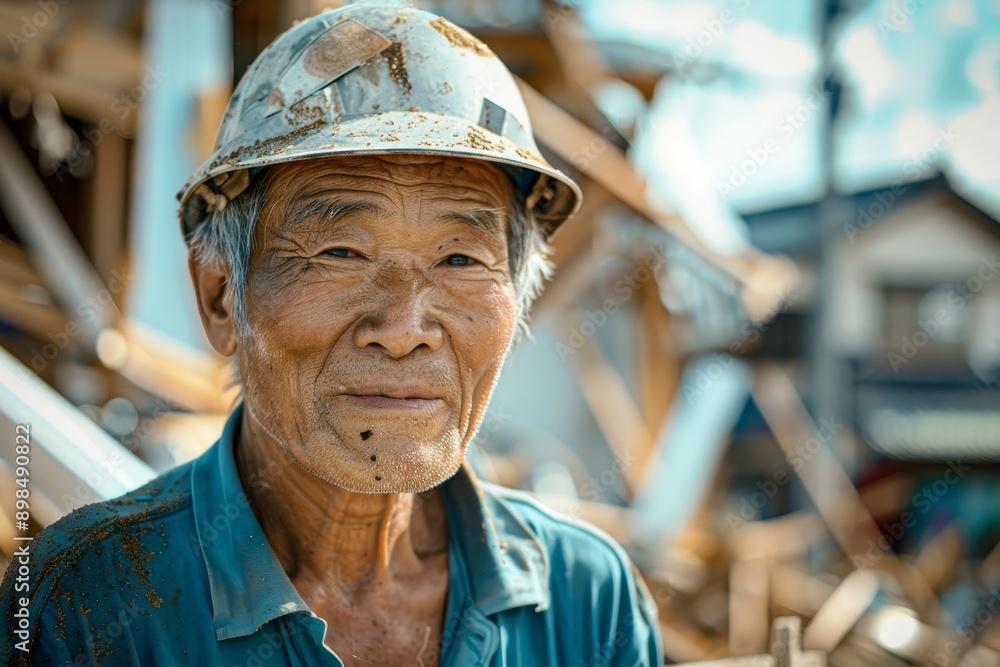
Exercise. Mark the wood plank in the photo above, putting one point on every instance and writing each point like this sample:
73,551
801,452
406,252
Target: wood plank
609,400
798,592
190,379
841,611
829,485
784,650
573,256
75,97
210,108
748,606
54,250
658,367
36,319
107,207
16,266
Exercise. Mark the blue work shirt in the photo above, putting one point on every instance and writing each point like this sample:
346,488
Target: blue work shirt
179,572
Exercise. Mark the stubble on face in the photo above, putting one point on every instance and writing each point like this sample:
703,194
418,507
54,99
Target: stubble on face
372,355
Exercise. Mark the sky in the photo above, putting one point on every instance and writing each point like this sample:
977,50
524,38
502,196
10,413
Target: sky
747,109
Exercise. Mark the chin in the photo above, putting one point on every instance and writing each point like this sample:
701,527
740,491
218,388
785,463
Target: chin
402,465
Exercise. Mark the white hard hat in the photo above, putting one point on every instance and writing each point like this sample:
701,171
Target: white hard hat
369,79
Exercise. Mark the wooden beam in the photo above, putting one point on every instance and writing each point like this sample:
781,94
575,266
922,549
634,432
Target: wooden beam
784,650
577,234
580,60
763,281
573,256
782,538
16,266
658,367
107,207
73,460
798,592
51,245
210,108
582,67
748,606
841,611
603,162
829,485
75,97
616,414
36,319
941,557
190,379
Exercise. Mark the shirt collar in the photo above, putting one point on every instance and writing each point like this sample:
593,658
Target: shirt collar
248,585
504,561
506,565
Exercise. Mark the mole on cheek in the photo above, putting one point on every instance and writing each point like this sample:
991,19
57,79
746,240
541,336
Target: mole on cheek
366,434
377,478
373,457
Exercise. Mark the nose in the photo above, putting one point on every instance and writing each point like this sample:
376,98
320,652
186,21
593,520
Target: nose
399,322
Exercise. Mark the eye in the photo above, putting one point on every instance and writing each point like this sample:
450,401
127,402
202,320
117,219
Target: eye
459,260
340,252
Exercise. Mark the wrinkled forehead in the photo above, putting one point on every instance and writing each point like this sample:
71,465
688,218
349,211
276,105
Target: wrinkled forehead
464,180
403,167
458,186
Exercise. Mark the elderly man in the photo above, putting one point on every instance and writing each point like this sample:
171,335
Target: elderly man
365,243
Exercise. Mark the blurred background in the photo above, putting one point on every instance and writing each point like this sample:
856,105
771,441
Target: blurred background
769,362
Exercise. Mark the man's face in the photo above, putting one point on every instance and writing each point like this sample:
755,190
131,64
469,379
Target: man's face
381,308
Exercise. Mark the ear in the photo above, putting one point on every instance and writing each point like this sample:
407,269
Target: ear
215,302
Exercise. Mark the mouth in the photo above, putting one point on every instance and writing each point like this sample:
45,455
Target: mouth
393,399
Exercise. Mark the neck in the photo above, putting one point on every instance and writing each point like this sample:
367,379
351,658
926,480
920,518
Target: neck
319,530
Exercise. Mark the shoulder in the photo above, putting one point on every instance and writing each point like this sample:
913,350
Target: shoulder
582,559
570,543
89,526
596,594
71,558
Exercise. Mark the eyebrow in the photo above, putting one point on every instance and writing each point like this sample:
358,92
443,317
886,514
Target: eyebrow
489,219
329,210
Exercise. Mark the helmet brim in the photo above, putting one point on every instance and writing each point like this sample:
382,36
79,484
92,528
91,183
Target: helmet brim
407,132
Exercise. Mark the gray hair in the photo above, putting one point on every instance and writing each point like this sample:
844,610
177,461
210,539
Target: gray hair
226,238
